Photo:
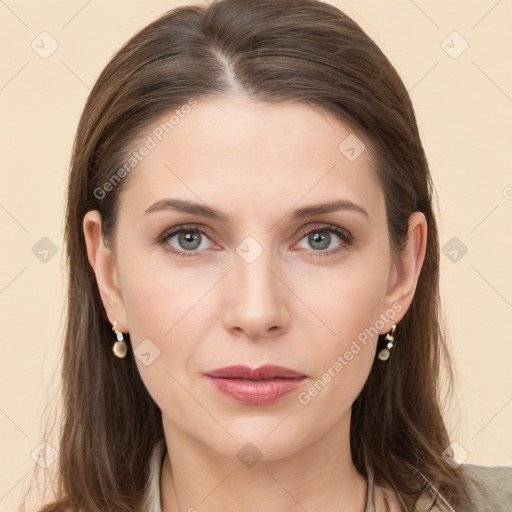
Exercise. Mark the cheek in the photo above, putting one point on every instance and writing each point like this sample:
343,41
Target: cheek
348,300
349,304
160,297
343,360
163,340
168,311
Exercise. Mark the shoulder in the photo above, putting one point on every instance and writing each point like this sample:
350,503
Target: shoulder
490,488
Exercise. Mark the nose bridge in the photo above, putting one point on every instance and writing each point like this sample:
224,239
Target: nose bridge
253,270
257,295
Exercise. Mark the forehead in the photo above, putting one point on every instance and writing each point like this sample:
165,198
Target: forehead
261,153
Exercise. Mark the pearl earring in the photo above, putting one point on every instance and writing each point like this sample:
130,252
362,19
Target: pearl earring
120,348
385,352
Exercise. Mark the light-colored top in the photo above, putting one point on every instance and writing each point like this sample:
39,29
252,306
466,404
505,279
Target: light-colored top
490,488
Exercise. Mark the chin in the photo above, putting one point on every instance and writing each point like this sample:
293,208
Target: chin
250,445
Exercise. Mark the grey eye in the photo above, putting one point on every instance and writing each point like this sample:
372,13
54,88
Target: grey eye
189,240
320,239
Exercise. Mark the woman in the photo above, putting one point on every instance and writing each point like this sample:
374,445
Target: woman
253,307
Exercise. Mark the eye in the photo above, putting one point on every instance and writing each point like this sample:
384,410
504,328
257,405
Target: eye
191,241
322,240
185,241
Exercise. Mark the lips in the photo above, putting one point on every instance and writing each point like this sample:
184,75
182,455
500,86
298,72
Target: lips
264,372
258,386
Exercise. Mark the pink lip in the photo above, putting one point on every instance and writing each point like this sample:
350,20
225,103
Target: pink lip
258,386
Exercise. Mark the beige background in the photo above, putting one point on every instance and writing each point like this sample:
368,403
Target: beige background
464,109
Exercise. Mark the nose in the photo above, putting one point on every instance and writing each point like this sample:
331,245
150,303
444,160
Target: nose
257,304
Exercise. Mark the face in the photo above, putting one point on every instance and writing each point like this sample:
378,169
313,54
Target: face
268,280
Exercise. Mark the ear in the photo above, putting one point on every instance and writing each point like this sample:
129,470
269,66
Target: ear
407,267
102,262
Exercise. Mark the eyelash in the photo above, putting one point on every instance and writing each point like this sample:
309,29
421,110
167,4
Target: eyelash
343,234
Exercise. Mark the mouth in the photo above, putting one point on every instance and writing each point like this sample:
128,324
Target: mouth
259,386
264,372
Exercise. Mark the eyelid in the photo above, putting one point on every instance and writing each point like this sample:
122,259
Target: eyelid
342,232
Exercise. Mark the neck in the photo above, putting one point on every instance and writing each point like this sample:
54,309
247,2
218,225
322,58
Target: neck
321,476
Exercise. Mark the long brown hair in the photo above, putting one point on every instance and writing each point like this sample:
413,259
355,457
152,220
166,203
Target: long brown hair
304,51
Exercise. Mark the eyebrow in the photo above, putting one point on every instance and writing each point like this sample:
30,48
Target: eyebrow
212,213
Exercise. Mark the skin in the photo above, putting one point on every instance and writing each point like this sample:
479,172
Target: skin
294,305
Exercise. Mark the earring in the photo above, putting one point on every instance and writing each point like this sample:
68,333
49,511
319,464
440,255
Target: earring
385,352
120,348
